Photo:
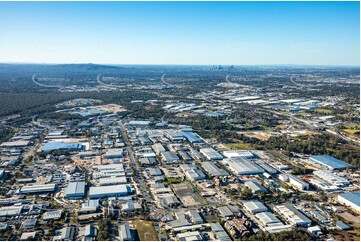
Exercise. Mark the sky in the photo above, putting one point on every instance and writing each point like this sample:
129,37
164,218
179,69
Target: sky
200,33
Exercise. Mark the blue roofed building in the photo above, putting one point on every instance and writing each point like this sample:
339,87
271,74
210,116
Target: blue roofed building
51,146
351,199
192,137
329,162
75,190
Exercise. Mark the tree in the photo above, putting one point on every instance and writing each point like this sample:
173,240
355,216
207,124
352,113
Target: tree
246,193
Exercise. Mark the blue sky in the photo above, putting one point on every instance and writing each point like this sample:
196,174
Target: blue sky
238,33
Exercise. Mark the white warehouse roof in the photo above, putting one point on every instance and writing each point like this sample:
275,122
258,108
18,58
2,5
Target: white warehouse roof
242,166
238,153
255,206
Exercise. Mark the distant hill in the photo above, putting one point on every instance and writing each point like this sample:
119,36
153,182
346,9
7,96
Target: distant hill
86,67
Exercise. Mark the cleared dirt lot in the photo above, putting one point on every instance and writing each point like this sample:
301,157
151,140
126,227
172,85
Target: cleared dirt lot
187,195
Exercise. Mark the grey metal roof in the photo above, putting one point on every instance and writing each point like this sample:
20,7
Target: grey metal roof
267,218
213,169
108,191
242,166
125,233
75,189
255,206
169,155
255,186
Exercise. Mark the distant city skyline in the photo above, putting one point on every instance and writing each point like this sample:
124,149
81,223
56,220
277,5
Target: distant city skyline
181,33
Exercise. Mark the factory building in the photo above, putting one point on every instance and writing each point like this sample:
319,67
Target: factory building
255,206
329,162
169,156
213,170
255,186
109,191
2,174
126,233
112,181
268,168
298,183
174,136
241,166
192,137
75,190
154,171
37,189
351,199
219,232
190,236
168,200
195,217
158,148
228,212
293,216
332,178
192,172
62,146
211,154
104,171
238,153
52,215
15,144
113,153
323,185
147,161
139,123
268,219
89,206
10,211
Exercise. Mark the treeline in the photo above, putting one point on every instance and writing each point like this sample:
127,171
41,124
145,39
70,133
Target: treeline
319,144
6,133
294,235
34,103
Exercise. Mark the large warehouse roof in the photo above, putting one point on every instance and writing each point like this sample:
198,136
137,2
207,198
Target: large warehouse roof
330,162
267,218
38,188
241,166
211,154
352,197
238,153
255,206
62,146
109,191
75,189
109,167
192,137
213,170
255,186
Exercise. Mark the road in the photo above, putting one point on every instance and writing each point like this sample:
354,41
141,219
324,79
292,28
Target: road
150,207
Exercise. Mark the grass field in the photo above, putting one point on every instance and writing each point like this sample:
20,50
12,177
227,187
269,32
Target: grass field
352,131
239,146
324,110
146,230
